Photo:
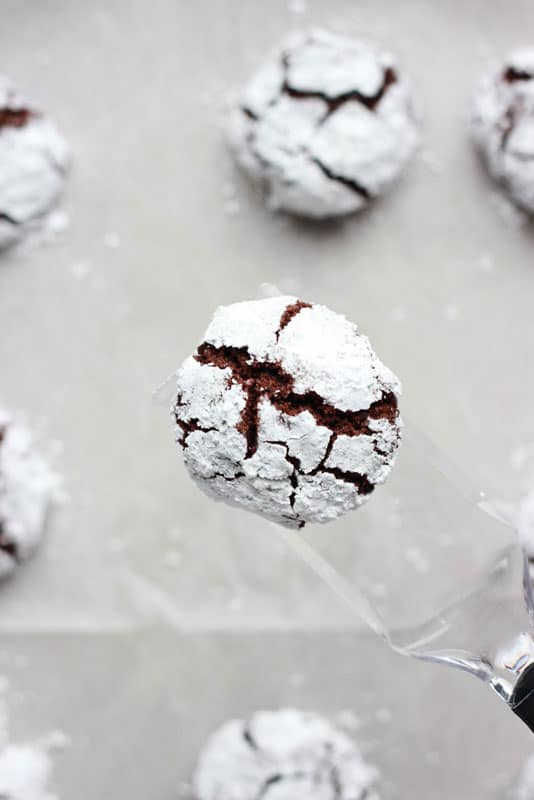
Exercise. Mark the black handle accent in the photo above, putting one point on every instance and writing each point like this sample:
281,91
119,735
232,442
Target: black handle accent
522,699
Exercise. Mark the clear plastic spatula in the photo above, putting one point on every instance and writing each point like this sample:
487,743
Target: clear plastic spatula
428,565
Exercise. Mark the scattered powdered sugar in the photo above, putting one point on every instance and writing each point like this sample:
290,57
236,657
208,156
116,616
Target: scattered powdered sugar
325,126
280,755
524,789
27,488
297,6
486,263
172,558
503,125
451,312
433,161
80,270
519,457
26,769
384,716
34,159
347,720
112,240
399,314
286,410
417,559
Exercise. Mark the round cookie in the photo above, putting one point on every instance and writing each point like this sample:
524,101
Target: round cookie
325,126
285,410
503,125
27,487
282,755
33,161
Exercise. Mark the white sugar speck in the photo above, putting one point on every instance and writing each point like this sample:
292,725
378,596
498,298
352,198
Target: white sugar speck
174,534
172,558
395,520
379,590
115,545
268,290
384,716
235,603
417,559
486,263
80,270
57,221
232,208
297,6
519,458
56,740
348,720
431,159
451,312
398,314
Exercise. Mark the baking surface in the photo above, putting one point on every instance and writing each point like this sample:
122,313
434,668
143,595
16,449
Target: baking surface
442,285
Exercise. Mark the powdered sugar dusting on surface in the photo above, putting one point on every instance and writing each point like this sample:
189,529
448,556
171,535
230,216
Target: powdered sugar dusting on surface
503,125
285,410
325,126
27,488
280,755
34,159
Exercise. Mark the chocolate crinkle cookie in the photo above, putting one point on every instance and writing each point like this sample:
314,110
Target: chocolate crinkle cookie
34,159
503,125
524,788
282,755
325,126
285,410
27,488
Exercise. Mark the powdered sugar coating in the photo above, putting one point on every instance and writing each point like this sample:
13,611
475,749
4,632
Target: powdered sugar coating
27,487
25,773
325,126
524,790
285,410
503,125
282,755
34,158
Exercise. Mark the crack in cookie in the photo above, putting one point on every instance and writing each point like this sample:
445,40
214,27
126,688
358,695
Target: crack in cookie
334,102
15,117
